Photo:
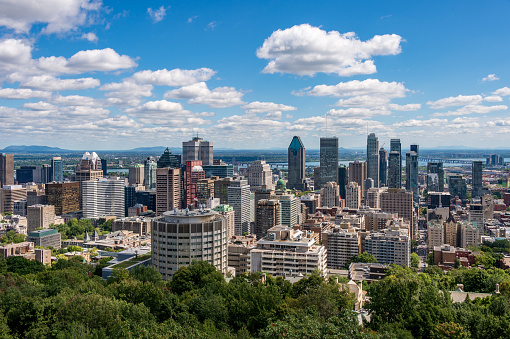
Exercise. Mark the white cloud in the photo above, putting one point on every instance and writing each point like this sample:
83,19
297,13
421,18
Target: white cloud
421,123
48,82
13,54
91,37
191,19
464,122
358,88
307,50
198,93
460,100
39,106
358,112
158,14
58,15
161,106
267,107
126,92
363,101
74,100
490,77
23,93
505,91
405,108
175,77
493,98
469,109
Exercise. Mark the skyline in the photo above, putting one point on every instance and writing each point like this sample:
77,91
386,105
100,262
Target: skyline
125,75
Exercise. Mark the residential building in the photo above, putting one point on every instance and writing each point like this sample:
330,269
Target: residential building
296,164
470,234
239,248
412,174
328,160
373,158
168,189
149,171
353,195
40,216
229,214
330,194
103,197
45,238
198,149
341,244
239,199
383,167
390,246
398,201
290,209
268,214
435,234
88,169
6,169
373,197
377,221
311,201
395,164
358,174
64,196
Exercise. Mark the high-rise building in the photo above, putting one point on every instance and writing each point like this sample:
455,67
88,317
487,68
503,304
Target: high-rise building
317,178
296,164
435,177
221,189
267,216
329,195
6,169
457,186
180,237
104,167
25,174
358,173
227,211
383,167
329,160
353,195
342,179
415,148
45,238
342,244
168,159
57,167
470,234
192,175
9,194
136,175
397,200
205,190
395,170
260,174
290,209
412,173
129,198
239,199
149,170
221,170
312,201
477,181
390,246
103,197
373,197
88,169
168,189
197,149
40,216
65,196
373,158
46,174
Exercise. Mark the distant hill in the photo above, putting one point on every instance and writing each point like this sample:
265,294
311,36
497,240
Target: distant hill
33,149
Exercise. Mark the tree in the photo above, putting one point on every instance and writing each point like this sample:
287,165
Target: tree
195,276
457,263
364,257
74,248
12,237
118,275
22,266
147,274
415,260
430,259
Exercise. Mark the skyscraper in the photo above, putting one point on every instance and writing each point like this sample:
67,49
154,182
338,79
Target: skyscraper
239,199
260,174
268,214
358,173
477,182
103,197
329,160
6,169
197,149
395,164
168,159
373,158
149,170
192,175
435,177
168,189
383,167
412,173
136,174
104,166
296,164
342,180
57,169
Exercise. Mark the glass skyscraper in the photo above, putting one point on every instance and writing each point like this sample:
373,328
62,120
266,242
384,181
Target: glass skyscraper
329,160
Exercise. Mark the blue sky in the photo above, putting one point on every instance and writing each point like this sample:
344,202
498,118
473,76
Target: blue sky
121,74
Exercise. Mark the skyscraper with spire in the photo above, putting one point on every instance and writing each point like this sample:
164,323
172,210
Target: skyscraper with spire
296,164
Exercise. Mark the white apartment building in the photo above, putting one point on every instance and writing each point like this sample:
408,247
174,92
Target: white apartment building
390,246
353,195
435,234
330,194
103,197
239,199
342,244
290,207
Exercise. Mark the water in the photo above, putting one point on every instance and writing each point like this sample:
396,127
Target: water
118,170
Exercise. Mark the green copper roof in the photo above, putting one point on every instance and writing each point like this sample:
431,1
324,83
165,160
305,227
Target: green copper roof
223,208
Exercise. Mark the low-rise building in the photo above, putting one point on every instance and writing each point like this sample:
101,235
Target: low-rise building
46,238
239,248
136,225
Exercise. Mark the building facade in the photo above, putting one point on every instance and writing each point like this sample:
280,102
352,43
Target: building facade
328,160
373,158
103,198
168,189
296,164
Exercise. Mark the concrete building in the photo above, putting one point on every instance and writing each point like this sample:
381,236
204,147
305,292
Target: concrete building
328,160
376,221
198,149
193,174
330,195
373,158
435,234
268,214
40,216
259,175
353,195
221,189
239,248
341,244
412,174
395,164
398,201
312,201
470,235
36,197
167,159
457,187
358,174
287,252
180,237
290,209
390,246
137,225
205,190
150,165
435,177
136,175
296,164
477,178
229,214
6,169
168,189
383,167
438,199
20,208
103,197
9,194
45,238
64,196
239,199
373,197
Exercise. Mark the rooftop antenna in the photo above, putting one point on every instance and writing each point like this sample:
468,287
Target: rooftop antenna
326,124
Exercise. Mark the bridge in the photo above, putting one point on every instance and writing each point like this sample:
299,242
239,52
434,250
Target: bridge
449,161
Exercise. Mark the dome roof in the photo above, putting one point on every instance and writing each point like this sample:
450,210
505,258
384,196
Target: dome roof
280,182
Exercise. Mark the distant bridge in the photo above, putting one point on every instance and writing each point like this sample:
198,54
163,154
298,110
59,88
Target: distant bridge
449,161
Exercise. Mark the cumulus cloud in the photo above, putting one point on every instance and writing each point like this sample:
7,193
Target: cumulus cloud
469,109
460,100
199,93
493,98
363,101
92,37
275,110
158,14
39,106
307,50
163,112
340,123
161,106
127,92
358,112
22,93
490,77
175,77
74,100
405,108
51,83
502,91
57,15
353,88
421,123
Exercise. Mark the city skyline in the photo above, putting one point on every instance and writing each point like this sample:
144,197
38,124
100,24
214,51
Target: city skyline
124,75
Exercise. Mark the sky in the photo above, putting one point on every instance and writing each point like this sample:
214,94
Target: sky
103,75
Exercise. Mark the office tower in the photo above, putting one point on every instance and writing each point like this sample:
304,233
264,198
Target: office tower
317,178
129,198
373,197
6,169
221,189
205,190
390,246
412,173
415,148
57,168
64,196
329,195
104,167
394,170
40,216
103,197
342,180
435,177
329,160
457,186
267,216
168,159
89,168
239,199
192,175
46,174
438,199
197,149
290,209
180,237
9,194
228,213
45,238
37,175
221,170
36,197
383,167
168,189
341,244
147,198
477,183
373,158
358,173
25,174
149,172
312,201
397,200
20,208
353,195
296,164
136,175
286,252
260,174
